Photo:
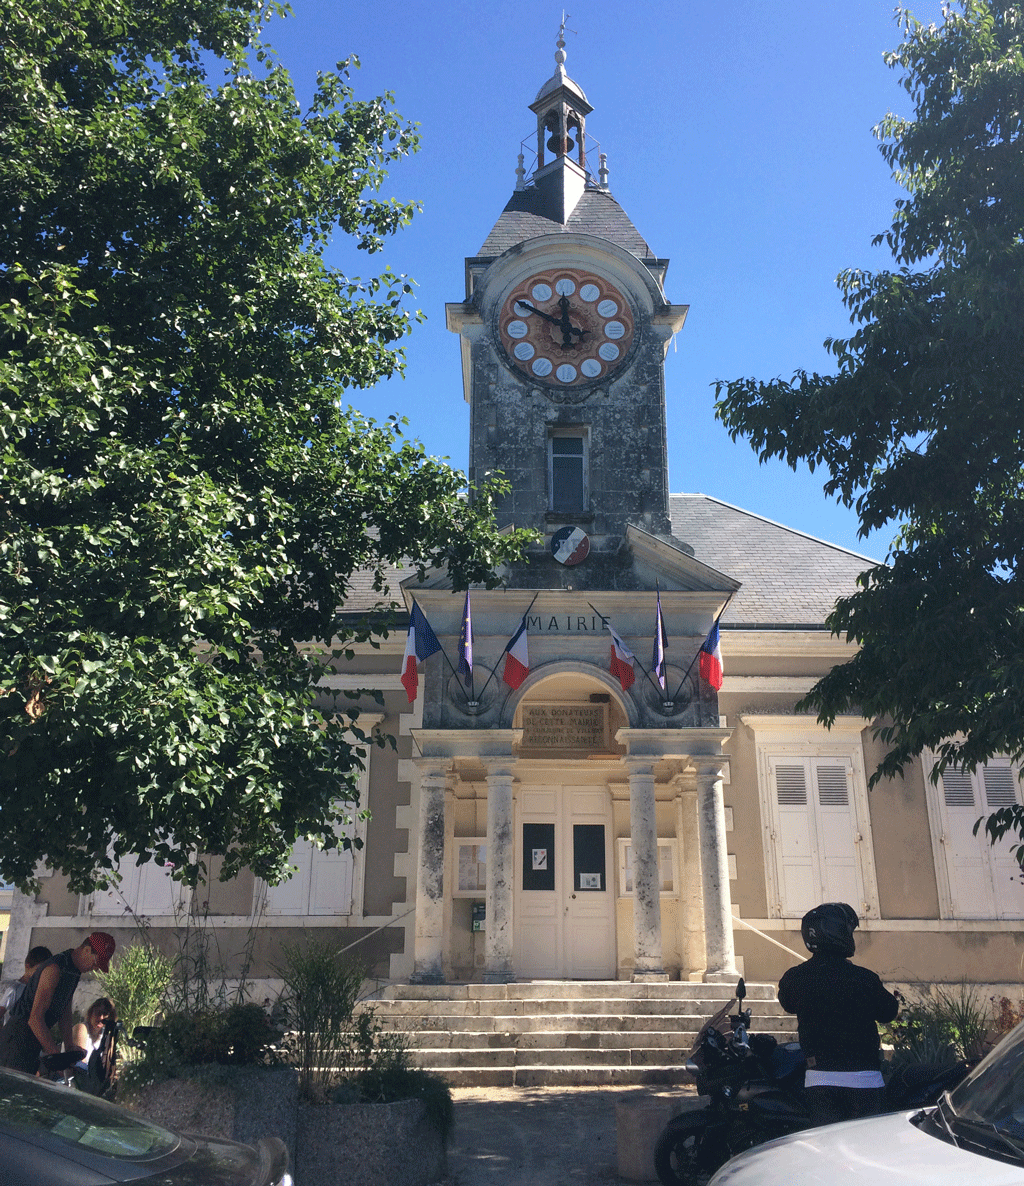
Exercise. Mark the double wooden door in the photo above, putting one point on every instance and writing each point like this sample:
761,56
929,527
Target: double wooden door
564,903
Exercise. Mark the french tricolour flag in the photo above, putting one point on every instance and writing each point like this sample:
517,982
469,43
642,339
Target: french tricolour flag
517,658
420,642
711,669
621,662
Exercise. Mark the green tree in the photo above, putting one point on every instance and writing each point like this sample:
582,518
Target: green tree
922,425
184,498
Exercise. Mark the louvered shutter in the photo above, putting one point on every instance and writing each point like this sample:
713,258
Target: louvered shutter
837,834
291,897
1000,783
794,839
967,866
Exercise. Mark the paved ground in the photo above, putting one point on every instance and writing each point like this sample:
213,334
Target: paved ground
545,1136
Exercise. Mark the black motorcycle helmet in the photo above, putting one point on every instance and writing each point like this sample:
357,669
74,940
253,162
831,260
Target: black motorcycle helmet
829,927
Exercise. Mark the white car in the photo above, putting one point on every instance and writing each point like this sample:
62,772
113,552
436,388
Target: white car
975,1135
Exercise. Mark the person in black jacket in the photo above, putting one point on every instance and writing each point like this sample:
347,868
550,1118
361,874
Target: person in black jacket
837,1004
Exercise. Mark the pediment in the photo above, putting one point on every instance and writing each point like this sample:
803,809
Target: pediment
665,562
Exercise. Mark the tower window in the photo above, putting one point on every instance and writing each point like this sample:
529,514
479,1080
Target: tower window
567,456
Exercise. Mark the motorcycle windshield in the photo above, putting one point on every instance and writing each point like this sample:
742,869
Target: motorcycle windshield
993,1093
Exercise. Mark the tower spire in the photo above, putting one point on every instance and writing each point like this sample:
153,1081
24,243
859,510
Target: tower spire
561,108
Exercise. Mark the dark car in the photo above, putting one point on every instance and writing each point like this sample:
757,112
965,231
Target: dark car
52,1135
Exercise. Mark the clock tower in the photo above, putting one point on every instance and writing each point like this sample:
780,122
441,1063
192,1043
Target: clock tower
564,331
546,758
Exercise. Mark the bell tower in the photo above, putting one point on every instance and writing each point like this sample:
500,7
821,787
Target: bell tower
561,108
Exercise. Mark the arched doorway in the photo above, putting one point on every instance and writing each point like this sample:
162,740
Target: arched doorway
564,863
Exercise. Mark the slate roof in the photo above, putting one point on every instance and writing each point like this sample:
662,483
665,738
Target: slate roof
789,579
597,213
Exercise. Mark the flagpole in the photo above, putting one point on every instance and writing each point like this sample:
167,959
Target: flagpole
522,619
695,657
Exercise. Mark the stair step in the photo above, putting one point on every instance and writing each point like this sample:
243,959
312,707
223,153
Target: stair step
558,1076
582,1006
574,990
680,1040
511,1056
597,1023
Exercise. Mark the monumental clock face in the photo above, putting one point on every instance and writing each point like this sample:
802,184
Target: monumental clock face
566,328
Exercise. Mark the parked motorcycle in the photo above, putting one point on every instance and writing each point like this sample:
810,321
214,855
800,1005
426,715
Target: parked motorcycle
755,1085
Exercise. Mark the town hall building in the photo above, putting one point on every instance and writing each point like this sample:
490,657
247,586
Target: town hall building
575,825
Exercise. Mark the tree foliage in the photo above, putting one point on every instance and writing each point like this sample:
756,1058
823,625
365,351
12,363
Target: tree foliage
184,497
922,425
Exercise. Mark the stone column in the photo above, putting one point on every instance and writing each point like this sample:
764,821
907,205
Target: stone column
714,867
429,944
647,960
500,874
691,894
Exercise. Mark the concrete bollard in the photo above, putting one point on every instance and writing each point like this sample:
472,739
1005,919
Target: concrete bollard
638,1124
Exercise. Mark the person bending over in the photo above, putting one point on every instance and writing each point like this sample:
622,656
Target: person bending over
837,1004
46,1002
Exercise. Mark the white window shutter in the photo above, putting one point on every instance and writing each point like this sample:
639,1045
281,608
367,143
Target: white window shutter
330,885
321,885
144,891
837,834
795,838
291,897
1001,785
967,864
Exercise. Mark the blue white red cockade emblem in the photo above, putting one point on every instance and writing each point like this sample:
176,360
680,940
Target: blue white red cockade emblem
570,546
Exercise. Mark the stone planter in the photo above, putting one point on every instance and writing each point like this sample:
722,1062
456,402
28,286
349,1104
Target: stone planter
240,1104
367,1145
358,1144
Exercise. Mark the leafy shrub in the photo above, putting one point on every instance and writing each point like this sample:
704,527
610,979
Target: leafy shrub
241,1035
942,1026
330,1040
137,982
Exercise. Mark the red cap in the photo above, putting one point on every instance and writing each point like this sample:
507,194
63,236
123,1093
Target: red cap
103,945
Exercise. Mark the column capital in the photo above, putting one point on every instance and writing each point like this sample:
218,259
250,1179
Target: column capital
710,769
438,767
639,764
499,767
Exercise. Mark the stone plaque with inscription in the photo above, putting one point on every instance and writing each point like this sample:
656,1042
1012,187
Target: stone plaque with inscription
565,726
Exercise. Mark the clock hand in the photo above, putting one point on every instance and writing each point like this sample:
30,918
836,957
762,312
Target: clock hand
546,316
564,323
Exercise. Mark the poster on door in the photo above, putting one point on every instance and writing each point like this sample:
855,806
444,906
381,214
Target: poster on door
538,856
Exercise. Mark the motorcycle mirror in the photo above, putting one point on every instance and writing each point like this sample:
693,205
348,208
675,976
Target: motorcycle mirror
741,989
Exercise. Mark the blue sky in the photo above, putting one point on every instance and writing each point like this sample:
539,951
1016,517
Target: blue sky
739,141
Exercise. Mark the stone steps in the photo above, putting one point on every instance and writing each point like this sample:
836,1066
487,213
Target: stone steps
560,1033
